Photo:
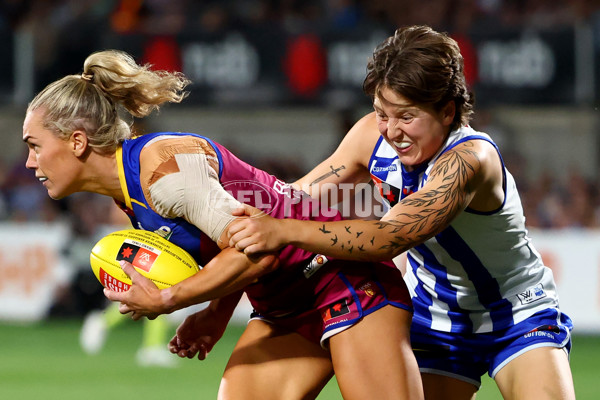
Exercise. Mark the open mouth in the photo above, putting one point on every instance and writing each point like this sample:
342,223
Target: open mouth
402,145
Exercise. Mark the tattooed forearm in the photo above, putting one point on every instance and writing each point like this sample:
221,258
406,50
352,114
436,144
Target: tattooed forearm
324,230
334,240
435,208
417,217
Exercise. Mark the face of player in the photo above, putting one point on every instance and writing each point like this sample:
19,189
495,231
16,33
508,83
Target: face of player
415,132
53,159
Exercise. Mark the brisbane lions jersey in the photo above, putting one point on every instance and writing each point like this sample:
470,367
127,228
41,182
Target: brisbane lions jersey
299,276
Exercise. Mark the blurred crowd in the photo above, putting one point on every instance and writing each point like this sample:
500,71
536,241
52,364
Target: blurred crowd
175,16
549,201
66,30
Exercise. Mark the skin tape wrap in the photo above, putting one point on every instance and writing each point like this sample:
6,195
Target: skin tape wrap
195,194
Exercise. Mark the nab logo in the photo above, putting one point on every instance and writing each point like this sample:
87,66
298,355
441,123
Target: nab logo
532,294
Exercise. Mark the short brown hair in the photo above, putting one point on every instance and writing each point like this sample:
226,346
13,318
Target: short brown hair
424,66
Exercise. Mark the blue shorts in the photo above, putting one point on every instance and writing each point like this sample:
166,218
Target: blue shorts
468,356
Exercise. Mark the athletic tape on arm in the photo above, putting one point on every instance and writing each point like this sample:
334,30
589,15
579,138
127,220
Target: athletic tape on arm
195,194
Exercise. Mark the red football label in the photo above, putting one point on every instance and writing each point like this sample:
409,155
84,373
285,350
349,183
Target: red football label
138,254
144,259
112,283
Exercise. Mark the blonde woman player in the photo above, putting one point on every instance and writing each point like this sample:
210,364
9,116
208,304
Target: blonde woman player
483,299
313,316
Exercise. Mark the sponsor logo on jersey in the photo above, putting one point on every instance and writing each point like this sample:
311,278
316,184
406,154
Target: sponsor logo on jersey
165,232
543,330
532,294
408,190
369,289
386,168
317,262
387,191
336,310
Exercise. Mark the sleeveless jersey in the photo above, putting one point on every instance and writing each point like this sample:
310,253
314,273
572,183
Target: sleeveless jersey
299,275
481,273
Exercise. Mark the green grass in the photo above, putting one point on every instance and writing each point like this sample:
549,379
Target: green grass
44,361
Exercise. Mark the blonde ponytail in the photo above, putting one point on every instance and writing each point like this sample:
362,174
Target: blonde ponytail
91,101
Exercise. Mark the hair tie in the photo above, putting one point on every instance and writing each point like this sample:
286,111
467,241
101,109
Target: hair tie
87,77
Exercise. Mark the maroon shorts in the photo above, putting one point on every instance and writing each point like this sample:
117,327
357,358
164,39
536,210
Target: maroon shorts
356,290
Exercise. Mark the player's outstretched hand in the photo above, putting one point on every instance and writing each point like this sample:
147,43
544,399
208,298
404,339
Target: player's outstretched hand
141,300
197,334
255,232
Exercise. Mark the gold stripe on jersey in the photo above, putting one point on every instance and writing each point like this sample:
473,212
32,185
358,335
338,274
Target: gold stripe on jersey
138,203
122,180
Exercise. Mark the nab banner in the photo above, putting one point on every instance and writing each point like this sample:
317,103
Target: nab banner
525,67
502,66
269,65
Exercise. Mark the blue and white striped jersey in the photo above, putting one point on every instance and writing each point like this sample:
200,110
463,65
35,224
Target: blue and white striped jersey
482,273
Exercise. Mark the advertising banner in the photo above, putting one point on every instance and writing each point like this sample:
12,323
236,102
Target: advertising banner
574,257
31,269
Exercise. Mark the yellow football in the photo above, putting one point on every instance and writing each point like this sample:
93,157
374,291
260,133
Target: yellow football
152,256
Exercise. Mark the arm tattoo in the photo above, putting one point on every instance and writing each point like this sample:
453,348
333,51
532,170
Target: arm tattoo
334,171
324,230
435,208
422,214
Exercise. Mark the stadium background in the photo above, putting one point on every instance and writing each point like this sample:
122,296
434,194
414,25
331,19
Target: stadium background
279,83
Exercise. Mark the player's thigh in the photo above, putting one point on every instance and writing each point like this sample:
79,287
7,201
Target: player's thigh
541,373
271,363
441,387
374,359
